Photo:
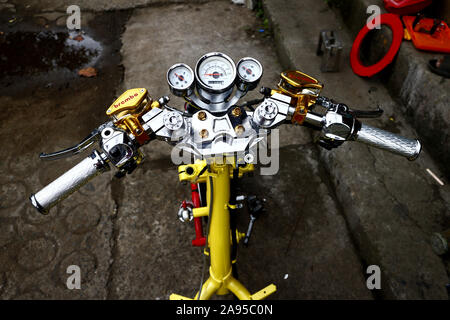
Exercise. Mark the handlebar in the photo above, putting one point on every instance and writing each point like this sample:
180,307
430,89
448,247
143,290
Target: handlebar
351,129
69,182
378,138
120,140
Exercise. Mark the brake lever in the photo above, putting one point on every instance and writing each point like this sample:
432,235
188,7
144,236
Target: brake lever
366,114
344,109
83,145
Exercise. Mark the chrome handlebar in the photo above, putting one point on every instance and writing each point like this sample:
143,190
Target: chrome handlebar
339,125
206,133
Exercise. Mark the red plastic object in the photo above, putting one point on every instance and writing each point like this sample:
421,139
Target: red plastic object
403,7
438,41
394,23
199,240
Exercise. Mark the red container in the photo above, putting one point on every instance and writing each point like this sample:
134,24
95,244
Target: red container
439,41
404,7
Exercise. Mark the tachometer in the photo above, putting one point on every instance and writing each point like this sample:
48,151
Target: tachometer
249,73
180,78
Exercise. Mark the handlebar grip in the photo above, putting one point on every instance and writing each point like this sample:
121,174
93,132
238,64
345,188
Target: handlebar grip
69,182
409,148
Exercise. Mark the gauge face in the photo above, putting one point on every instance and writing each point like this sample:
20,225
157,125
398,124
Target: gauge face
249,70
215,72
180,77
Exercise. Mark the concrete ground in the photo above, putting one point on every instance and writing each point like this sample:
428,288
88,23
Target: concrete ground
422,94
391,206
329,214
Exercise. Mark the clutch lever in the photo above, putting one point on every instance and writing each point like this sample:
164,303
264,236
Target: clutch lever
83,145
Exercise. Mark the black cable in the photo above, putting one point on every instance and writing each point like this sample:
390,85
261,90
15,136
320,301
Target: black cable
250,103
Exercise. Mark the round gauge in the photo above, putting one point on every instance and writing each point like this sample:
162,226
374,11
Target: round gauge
249,70
180,78
215,72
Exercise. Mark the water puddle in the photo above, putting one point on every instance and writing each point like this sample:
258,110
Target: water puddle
25,53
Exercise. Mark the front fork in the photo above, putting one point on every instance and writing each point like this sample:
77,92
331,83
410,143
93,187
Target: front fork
219,240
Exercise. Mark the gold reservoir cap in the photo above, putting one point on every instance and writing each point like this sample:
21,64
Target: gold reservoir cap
298,79
129,100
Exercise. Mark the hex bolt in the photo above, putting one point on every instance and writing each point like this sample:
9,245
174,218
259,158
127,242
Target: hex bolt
236,112
204,133
201,116
239,129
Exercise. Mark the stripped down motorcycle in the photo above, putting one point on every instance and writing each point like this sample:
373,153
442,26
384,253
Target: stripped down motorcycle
221,135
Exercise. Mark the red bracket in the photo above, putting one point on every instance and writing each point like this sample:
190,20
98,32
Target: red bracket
199,240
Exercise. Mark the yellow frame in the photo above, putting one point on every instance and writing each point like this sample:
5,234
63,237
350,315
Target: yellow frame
221,281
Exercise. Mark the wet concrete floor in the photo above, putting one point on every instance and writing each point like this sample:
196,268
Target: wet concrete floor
124,233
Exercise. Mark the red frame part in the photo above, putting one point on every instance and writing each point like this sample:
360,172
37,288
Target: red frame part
200,239
395,24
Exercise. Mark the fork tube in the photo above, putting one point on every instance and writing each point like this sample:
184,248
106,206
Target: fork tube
219,235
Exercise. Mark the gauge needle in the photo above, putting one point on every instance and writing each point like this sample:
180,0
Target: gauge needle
214,74
179,77
249,71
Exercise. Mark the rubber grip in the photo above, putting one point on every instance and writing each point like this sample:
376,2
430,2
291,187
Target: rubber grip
69,182
409,148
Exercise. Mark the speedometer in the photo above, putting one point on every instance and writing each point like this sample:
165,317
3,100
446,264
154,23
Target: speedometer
215,72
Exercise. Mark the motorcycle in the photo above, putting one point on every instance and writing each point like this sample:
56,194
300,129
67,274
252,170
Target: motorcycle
221,136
